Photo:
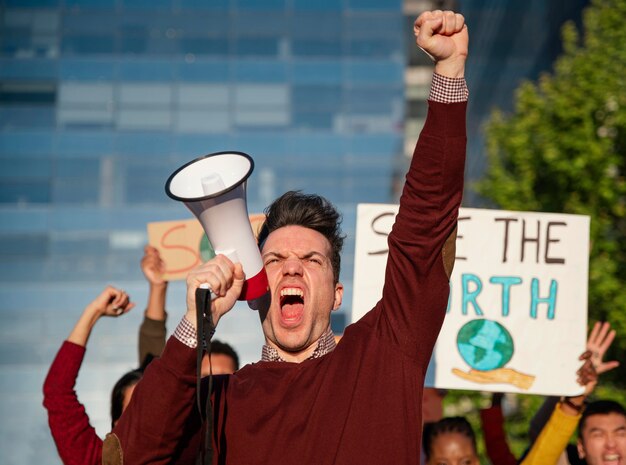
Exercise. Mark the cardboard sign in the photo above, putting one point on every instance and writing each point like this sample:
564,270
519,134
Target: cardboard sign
183,245
517,314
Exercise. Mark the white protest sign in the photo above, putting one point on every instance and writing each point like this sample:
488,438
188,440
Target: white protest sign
517,315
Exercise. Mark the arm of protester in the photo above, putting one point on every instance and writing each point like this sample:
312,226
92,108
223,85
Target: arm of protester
111,302
492,422
561,425
76,440
152,331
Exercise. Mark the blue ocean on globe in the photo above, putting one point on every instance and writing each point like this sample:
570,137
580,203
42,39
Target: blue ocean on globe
485,344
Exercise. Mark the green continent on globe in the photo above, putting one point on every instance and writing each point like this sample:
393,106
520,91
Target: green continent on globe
485,344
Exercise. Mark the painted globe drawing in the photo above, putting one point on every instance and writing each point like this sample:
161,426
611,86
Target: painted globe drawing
485,344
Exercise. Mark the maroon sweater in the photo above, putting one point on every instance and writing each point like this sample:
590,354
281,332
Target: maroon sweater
76,440
361,403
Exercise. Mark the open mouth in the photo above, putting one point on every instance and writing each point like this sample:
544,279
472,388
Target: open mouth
611,457
291,304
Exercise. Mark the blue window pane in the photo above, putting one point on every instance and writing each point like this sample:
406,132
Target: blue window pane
327,72
205,46
375,4
310,120
312,144
260,71
260,4
87,44
143,144
376,48
84,143
316,25
24,168
24,245
146,70
256,47
20,116
77,22
28,68
372,99
381,72
383,144
134,44
316,47
23,220
203,4
205,71
318,4
87,69
106,4
378,24
79,191
148,4
78,167
27,143
259,23
317,97
25,191
32,3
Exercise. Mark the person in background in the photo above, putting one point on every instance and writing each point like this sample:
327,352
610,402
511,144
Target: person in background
551,434
76,440
450,441
602,433
224,359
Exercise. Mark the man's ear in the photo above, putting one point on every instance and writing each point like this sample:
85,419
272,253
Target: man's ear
338,296
581,449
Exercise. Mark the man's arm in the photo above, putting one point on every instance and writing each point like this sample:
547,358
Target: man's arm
421,244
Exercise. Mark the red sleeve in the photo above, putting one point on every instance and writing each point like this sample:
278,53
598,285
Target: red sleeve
76,440
415,294
496,444
161,419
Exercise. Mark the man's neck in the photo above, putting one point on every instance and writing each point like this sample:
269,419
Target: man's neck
325,344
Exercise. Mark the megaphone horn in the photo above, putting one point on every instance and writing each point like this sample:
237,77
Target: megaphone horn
213,187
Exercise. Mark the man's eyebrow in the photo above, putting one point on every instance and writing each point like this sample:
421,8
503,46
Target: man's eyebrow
306,255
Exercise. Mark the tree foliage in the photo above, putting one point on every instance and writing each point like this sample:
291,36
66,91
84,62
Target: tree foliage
563,149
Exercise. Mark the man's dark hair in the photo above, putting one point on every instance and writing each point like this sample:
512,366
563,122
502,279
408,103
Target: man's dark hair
311,211
600,407
446,425
219,347
117,395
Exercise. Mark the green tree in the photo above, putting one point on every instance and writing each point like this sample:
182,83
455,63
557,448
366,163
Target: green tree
563,149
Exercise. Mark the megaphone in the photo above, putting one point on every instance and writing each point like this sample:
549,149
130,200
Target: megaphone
213,187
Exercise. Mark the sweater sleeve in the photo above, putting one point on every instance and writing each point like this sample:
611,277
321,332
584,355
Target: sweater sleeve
553,439
151,338
492,422
76,440
415,294
157,420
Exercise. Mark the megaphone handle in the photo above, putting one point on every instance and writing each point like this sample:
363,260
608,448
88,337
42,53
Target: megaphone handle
205,331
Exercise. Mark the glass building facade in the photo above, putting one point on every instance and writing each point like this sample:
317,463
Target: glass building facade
100,101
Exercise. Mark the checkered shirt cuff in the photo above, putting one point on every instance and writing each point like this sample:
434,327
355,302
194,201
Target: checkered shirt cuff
186,333
448,90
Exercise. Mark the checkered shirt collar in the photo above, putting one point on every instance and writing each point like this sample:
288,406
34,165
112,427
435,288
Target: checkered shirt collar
325,345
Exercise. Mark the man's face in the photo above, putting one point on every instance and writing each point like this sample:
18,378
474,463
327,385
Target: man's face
303,291
603,440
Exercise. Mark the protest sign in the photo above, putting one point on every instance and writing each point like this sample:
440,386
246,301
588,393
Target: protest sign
517,315
183,245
